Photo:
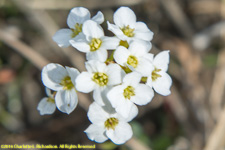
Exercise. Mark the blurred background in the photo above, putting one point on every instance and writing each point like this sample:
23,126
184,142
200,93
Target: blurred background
191,118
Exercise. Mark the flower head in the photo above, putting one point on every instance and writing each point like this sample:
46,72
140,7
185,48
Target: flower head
62,80
107,124
136,57
98,77
75,21
127,28
94,43
159,79
123,96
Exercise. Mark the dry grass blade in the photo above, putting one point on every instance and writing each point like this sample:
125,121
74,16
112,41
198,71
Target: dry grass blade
178,17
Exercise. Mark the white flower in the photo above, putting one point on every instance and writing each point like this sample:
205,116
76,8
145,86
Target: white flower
98,77
94,43
136,57
75,20
159,79
126,27
107,124
123,97
47,104
62,80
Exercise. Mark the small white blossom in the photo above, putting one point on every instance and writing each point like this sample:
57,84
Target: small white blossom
62,80
136,57
159,79
94,43
75,20
47,104
98,77
123,97
127,28
107,124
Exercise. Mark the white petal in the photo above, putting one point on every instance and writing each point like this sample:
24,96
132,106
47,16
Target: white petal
48,92
145,67
52,75
45,107
132,79
96,133
149,81
73,73
132,114
99,17
66,100
92,30
162,84
124,108
142,32
143,94
147,36
115,95
96,114
81,45
124,16
95,66
117,31
100,97
114,73
62,37
97,95
141,26
122,133
139,47
77,15
162,60
100,54
110,42
121,54
149,57
84,82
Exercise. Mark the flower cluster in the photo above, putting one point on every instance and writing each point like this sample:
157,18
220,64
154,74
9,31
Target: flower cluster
126,78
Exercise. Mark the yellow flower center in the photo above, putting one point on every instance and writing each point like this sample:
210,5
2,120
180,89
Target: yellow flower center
128,92
128,31
77,29
67,83
100,78
111,123
132,60
51,100
95,44
155,75
124,43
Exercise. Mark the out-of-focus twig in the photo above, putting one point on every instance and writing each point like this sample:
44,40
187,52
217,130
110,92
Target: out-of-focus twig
178,17
134,144
68,4
23,49
204,7
203,39
217,90
217,138
178,108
